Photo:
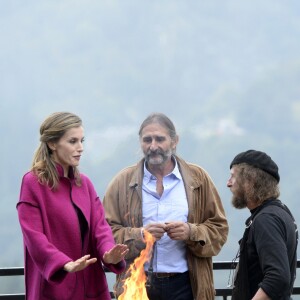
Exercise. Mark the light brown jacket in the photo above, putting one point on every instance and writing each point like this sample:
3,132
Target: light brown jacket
208,224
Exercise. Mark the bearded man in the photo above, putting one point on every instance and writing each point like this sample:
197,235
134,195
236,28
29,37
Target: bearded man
178,203
268,250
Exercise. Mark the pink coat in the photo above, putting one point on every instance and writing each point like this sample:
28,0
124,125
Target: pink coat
52,237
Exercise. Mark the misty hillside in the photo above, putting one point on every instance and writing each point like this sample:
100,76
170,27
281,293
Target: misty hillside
227,73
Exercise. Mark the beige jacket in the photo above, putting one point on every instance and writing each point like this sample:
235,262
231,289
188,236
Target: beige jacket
209,227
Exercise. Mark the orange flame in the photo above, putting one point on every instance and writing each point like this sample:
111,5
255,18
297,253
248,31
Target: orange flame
134,285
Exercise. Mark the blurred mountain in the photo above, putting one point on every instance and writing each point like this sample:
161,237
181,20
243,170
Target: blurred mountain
227,74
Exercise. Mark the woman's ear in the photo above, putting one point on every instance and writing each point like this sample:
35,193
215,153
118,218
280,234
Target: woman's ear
52,146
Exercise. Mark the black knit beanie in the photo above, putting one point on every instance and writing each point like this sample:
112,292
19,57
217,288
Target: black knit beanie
258,160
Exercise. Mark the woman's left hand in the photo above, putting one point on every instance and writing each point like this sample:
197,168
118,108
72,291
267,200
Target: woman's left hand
115,254
79,264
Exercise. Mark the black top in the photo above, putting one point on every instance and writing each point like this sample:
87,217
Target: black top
270,247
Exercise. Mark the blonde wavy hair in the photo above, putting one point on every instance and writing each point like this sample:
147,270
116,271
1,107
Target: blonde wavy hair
51,130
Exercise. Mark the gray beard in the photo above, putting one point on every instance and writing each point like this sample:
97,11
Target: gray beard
163,157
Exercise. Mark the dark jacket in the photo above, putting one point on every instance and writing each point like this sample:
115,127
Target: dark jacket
270,252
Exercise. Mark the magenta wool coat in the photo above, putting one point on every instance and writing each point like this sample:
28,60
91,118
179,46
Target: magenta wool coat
52,237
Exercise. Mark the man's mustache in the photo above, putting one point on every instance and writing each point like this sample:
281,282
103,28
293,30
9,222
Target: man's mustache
156,152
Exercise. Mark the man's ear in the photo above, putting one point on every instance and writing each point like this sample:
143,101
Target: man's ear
175,141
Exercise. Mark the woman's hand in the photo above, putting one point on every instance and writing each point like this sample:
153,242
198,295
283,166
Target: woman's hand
79,264
115,254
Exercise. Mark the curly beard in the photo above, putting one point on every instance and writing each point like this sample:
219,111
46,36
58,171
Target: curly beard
238,199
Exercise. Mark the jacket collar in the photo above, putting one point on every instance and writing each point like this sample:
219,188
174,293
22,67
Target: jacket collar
138,174
60,171
192,182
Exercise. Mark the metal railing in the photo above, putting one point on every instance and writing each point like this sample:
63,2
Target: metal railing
218,265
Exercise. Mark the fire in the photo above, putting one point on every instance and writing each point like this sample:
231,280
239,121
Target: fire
134,285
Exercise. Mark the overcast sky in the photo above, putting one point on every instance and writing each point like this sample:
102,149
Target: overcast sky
114,62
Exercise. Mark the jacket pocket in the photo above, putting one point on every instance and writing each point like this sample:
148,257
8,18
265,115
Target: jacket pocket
95,282
62,291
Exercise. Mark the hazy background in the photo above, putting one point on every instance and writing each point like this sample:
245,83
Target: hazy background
226,72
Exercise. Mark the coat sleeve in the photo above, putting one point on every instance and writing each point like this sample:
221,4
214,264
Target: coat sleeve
270,240
124,215
207,220
46,257
101,232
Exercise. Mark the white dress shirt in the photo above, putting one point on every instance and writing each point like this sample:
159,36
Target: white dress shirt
170,255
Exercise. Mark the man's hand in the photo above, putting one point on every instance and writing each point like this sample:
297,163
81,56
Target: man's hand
156,229
261,295
79,264
179,231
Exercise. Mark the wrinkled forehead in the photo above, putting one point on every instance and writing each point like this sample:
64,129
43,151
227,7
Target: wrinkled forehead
155,129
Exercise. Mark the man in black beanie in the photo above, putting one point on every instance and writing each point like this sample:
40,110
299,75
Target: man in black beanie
268,250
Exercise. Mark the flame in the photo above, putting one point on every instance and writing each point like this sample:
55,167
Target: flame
134,285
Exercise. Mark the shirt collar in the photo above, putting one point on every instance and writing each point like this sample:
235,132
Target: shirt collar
148,176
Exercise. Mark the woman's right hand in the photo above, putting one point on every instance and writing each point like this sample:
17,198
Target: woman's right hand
79,264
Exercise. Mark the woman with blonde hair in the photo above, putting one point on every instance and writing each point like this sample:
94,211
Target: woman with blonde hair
67,240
